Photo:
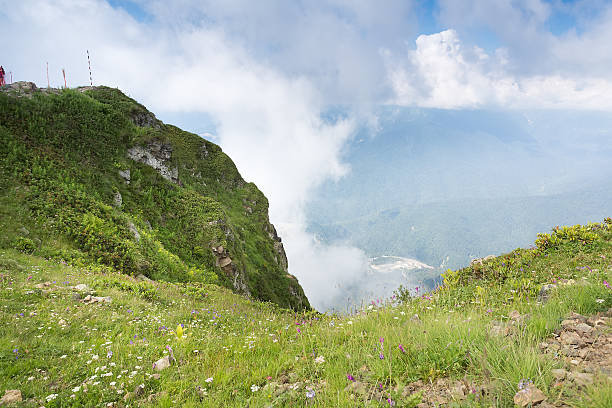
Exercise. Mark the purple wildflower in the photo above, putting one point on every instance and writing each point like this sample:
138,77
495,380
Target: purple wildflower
401,348
350,377
382,356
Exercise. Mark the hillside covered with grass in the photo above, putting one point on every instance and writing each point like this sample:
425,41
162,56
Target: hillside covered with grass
137,268
91,176
532,327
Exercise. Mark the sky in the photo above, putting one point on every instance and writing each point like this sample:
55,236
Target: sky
261,77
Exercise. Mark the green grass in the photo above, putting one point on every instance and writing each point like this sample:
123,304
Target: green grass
245,345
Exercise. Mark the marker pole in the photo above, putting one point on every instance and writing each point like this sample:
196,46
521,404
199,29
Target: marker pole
89,64
64,74
48,85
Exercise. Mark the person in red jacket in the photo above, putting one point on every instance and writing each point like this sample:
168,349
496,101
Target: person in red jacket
2,76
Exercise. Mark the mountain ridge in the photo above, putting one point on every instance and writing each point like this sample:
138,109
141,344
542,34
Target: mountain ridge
95,174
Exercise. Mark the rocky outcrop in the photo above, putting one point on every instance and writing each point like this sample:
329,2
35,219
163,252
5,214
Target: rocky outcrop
279,251
226,264
583,345
157,155
145,118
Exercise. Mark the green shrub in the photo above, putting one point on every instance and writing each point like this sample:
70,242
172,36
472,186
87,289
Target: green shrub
25,245
574,234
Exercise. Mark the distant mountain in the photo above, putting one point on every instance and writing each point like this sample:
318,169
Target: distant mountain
444,186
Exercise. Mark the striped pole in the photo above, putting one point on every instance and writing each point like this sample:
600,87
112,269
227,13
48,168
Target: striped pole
64,74
11,75
48,85
89,63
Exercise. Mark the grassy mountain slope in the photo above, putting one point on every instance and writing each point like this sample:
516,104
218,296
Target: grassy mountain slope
475,342
89,175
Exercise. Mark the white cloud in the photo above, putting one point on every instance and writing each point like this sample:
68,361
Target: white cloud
442,73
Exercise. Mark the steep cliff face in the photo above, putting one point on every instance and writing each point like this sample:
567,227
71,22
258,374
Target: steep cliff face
97,174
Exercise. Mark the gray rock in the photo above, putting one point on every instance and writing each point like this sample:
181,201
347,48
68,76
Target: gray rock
117,199
583,328
81,287
162,363
499,330
568,324
134,231
223,262
145,119
578,316
545,291
530,395
11,397
559,373
581,379
125,175
569,338
156,155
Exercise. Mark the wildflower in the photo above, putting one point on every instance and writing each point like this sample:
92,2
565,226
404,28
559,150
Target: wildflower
401,348
209,380
391,402
381,356
254,388
382,340
76,389
606,284
109,354
524,383
51,397
310,393
319,360
599,300
350,377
